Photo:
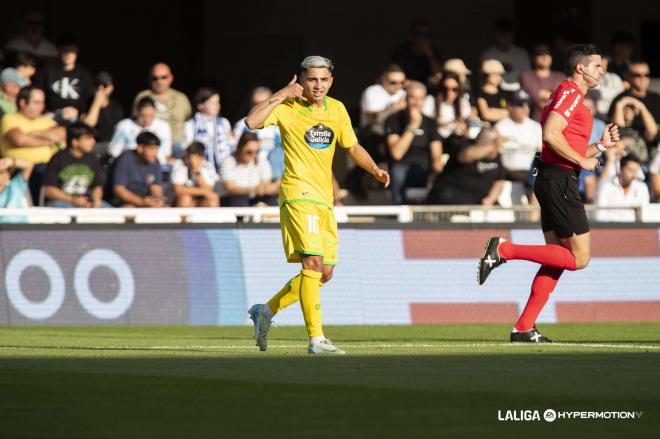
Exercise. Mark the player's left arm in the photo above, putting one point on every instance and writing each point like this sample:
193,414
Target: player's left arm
609,139
362,158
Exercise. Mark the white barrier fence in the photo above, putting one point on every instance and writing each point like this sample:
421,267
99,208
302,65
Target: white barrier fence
344,214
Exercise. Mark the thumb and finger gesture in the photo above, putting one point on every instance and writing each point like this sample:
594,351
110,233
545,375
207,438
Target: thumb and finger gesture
294,90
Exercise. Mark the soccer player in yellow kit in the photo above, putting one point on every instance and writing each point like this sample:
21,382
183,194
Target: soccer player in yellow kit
311,125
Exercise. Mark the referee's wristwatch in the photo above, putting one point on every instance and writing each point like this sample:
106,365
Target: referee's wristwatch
601,147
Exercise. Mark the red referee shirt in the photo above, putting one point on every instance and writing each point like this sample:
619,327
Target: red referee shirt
568,102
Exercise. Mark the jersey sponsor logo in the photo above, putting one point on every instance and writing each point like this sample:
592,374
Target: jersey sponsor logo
319,136
568,112
563,98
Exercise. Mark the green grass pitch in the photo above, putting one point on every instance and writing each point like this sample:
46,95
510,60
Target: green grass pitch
395,381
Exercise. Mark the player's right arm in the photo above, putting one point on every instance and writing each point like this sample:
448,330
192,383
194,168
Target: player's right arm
259,114
553,136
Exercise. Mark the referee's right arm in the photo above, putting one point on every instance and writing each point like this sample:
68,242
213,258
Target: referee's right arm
553,136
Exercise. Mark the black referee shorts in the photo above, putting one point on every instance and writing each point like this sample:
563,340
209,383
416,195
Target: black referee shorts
562,210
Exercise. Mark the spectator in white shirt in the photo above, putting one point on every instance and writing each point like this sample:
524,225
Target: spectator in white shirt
245,180
621,190
451,108
522,138
381,100
609,87
193,179
127,130
378,102
208,127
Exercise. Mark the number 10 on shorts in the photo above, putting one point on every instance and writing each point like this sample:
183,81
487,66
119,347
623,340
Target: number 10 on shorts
313,224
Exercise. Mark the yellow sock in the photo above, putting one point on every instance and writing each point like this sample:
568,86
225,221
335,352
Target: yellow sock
310,302
289,294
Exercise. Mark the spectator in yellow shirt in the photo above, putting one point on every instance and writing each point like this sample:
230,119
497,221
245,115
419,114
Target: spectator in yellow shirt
31,136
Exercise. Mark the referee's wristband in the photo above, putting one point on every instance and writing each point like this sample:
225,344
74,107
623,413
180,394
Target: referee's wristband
600,147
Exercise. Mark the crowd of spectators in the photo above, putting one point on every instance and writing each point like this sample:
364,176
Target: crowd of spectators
448,134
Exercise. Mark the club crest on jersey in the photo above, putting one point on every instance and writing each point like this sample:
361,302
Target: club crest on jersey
319,136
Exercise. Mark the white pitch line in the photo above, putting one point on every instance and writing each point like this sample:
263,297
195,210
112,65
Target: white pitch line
358,346
388,346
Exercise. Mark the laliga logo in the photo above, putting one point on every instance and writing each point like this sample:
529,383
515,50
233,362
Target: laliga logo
52,303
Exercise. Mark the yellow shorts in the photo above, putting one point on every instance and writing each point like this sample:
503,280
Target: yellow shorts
309,229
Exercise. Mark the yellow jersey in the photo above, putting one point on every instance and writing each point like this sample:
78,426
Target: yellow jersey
38,154
309,136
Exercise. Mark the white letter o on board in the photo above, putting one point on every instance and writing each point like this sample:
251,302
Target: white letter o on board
42,260
109,259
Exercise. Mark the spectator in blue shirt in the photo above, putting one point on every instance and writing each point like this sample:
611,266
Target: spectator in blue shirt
14,191
137,176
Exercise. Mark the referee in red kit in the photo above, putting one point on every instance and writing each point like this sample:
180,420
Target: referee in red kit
566,125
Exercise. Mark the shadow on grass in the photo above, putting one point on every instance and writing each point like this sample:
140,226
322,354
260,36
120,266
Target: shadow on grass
203,395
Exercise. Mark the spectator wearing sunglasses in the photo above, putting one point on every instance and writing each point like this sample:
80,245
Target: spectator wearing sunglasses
246,180
172,106
645,104
450,108
378,102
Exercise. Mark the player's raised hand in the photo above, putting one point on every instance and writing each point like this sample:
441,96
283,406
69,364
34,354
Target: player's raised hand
293,90
610,135
382,176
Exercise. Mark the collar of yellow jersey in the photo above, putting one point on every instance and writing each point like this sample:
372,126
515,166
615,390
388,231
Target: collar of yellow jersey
308,107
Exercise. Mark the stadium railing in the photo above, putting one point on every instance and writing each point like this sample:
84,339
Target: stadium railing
345,214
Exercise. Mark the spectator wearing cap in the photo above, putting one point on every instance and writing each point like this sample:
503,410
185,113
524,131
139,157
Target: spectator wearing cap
73,176
456,65
29,135
145,120
194,179
104,112
137,179
540,81
492,101
31,39
10,85
418,57
208,127
521,139
414,144
172,106
514,58
67,84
